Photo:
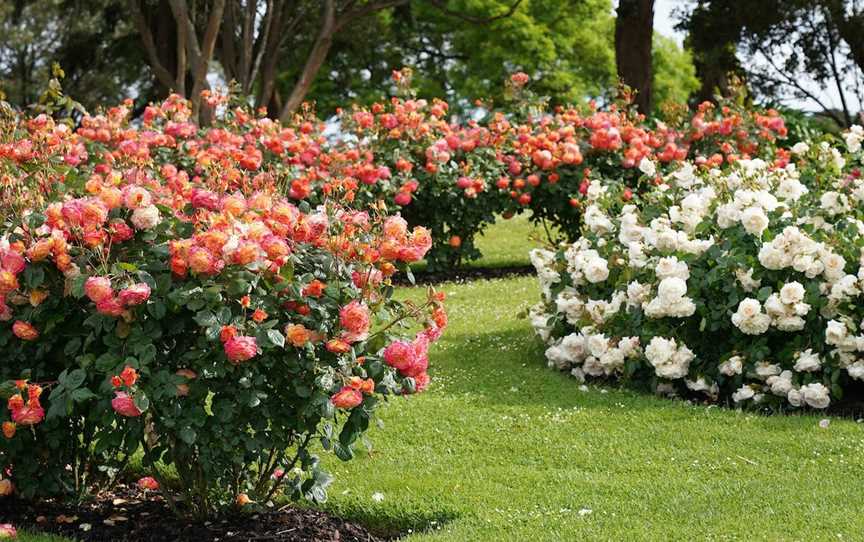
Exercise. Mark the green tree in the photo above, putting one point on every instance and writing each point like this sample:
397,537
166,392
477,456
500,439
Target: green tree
565,46
674,73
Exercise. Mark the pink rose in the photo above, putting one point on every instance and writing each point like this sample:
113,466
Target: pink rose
355,319
399,355
347,398
241,348
12,261
98,289
30,414
110,307
421,382
149,483
135,294
124,405
7,531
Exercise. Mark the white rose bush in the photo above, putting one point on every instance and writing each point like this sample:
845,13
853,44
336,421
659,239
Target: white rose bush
742,284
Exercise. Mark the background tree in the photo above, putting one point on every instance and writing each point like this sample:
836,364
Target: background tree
788,50
97,48
634,29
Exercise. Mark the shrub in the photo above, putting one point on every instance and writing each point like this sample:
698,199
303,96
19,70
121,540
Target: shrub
159,296
458,177
742,283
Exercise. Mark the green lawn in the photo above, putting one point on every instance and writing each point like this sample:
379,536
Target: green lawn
507,242
502,448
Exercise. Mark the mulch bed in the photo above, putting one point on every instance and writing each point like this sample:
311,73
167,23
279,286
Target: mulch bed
127,515
466,274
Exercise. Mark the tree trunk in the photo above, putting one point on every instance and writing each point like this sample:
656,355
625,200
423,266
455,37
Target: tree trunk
634,27
313,64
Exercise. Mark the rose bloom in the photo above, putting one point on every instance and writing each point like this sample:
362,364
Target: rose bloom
297,334
9,429
227,333
135,294
145,218
354,318
259,316
8,281
110,307
6,487
24,331
241,348
347,398
98,288
120,231
12,261
149,483
7,531
399,355
337,346
314,288
129,376
30,414
421,382
124,405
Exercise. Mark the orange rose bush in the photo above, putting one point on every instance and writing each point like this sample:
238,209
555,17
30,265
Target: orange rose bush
162,294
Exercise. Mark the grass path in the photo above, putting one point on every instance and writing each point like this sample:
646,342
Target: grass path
502,448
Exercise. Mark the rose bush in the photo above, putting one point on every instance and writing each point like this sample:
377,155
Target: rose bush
743,282
456,177
159,295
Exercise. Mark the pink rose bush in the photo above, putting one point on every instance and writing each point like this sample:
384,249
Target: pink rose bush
166,289
742,283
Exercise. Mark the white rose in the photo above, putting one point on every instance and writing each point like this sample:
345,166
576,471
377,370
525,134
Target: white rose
671,289
743,393
732,366
816,395
835,332
807,361
765,369
647,167
145,218
792,293
596,270
754,220
800,148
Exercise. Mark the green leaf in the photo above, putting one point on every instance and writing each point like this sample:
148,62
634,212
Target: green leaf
82,394
276,338
188,435
75,379
156,309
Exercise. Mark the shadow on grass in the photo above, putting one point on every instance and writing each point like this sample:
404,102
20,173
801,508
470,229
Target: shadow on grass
392,523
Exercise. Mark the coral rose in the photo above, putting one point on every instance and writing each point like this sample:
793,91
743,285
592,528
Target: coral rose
9,429
241,348
6,487
347,398
148,483
98,289
30,414
24,331
135,294
355,319
124,404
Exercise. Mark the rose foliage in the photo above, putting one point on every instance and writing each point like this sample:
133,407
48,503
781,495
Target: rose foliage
742,282
164,293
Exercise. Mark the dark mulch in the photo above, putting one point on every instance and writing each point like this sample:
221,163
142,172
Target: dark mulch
465,274
127,515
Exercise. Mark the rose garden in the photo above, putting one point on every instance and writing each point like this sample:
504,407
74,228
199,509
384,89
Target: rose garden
427,318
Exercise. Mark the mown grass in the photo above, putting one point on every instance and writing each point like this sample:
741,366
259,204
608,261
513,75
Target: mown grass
502,448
